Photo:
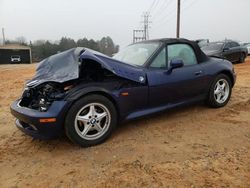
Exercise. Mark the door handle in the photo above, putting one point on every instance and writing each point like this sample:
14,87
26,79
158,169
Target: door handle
198,73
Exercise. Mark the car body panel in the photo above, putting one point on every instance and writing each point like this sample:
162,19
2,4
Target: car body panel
136,98
232,53
181,84
28,119
59,68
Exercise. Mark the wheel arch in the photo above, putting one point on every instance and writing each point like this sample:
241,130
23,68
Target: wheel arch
245,54
229,74
95,92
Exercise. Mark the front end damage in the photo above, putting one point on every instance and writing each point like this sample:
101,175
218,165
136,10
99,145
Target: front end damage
41,110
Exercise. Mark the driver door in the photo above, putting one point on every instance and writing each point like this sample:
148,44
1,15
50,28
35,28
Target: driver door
174,86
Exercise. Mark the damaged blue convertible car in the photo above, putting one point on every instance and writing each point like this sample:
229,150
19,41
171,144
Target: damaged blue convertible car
85,94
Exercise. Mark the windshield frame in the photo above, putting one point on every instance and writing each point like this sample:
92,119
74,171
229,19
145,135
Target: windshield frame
150,57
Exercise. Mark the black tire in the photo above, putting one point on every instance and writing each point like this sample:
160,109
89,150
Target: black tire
242,58
211,100
70,129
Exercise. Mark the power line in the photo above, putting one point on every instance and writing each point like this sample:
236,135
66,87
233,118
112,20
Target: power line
160,11
163,7
190,5
171,15
152,5
165,20
183,2
155,7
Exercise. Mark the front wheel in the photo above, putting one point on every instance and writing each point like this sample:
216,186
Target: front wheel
220,91
91,120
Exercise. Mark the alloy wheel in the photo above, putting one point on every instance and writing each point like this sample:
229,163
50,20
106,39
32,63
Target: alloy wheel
92,121
221,91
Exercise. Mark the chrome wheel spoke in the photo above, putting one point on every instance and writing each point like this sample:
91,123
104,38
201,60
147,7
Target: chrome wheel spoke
217,86
219,96
217,91
101,116
98,127
86,129
223,85
92,111
83,119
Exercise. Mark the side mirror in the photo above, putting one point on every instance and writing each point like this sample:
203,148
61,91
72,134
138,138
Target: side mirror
176,63
226,49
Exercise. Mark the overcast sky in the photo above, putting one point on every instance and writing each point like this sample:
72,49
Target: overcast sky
52,19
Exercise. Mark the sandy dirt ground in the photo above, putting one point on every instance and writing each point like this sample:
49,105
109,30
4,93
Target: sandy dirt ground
190,147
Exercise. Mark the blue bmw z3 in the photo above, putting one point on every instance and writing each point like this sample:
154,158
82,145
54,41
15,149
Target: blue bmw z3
85,94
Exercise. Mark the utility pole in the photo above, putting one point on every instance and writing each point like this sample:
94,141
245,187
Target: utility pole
3,36
142,34
178,18
138,35
146,25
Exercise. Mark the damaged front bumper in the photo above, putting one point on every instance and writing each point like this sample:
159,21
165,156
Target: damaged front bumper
38,124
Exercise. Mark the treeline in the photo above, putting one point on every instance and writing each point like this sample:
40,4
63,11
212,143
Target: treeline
44,48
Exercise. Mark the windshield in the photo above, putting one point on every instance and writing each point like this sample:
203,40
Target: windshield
213,46
137,54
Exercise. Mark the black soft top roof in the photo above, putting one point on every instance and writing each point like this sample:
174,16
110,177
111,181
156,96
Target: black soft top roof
201,56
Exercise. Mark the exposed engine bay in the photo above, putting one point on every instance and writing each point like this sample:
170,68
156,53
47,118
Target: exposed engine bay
41,97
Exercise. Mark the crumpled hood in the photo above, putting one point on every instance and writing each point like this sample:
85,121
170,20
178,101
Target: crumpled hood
64,67
119,68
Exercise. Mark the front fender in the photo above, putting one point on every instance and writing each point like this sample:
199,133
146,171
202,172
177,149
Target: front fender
106,90
85,89
136,99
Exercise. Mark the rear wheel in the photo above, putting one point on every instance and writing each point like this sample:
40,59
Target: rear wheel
242,58
91,120
220,91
